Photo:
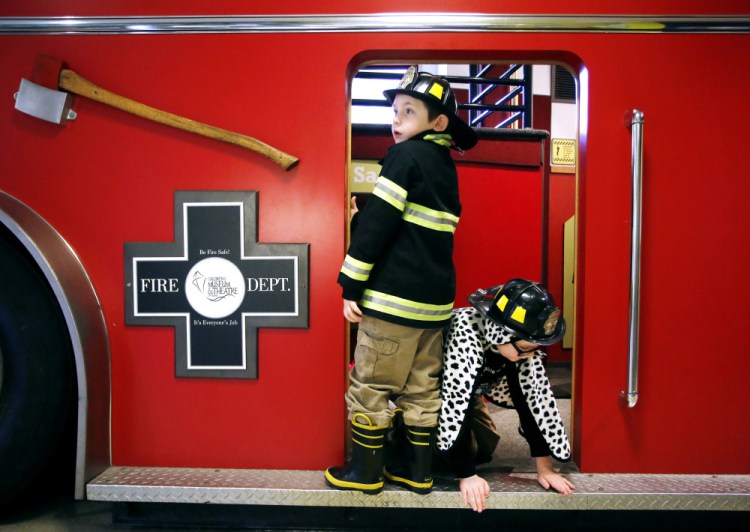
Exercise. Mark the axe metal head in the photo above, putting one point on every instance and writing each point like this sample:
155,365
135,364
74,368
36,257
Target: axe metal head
47,104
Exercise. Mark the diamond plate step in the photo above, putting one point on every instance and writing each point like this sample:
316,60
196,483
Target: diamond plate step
509,490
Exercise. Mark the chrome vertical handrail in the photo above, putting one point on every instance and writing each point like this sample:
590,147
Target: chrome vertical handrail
634,120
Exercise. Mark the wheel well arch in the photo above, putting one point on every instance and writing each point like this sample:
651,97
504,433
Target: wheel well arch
86,327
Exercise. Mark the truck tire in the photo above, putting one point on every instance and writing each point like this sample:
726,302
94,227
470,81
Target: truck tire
36,371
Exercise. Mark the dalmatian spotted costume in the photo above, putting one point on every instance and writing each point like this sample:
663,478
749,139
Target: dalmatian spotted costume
471,369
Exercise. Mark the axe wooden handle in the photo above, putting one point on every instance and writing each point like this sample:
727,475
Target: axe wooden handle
72,82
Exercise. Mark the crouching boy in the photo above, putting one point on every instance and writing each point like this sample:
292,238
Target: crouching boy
492,351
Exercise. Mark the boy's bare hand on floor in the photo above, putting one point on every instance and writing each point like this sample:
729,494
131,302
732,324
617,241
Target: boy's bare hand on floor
549,478
474,491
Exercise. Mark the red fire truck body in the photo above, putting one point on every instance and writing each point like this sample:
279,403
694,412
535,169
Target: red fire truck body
73,198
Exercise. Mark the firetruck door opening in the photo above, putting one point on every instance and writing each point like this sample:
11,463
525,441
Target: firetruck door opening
518,190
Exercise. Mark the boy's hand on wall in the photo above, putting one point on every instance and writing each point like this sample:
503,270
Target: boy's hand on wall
352,312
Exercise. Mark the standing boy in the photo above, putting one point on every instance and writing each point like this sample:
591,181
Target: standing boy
399,283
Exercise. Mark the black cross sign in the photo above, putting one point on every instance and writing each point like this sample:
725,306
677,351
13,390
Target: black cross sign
216,285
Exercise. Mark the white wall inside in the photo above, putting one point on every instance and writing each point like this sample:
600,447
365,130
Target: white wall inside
563,116
541,82
564,121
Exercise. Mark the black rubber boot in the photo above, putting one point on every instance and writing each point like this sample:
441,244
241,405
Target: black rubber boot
364,472
395,440
415,471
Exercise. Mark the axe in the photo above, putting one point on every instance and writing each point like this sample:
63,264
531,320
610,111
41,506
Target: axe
41,99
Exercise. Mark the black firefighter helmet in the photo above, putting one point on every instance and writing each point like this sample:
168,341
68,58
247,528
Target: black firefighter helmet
437,92
523,308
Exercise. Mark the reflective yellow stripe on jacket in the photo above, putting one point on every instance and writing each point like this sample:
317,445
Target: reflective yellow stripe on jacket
390,192
356,269
404,308
430,218
414,213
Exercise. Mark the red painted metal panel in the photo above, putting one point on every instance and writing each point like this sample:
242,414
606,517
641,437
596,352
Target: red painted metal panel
109,178
498,237
692,172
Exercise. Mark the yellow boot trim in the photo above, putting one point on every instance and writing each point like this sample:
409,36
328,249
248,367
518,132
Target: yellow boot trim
362,432
401,480
377,440
415,431
368,425
345,484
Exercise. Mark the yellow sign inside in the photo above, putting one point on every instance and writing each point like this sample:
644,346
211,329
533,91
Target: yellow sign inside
362,176
564,151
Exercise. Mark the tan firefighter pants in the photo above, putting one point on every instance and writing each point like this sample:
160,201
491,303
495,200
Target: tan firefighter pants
393,359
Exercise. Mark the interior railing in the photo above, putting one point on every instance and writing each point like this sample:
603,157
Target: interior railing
494,96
